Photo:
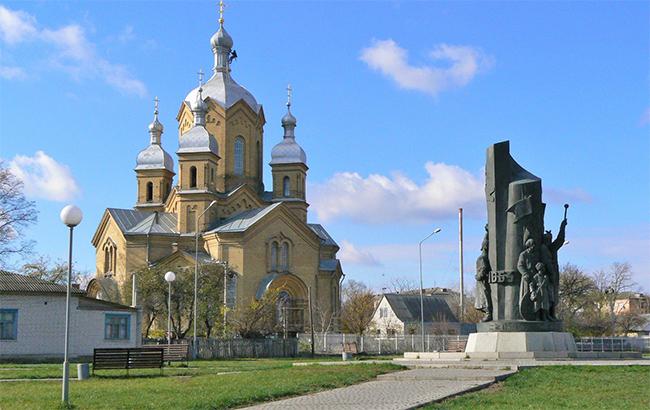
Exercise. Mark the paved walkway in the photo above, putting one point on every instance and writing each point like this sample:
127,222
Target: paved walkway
426,382
400,390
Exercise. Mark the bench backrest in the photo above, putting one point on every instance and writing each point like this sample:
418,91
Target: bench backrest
456,345
350,347
127,358
172,353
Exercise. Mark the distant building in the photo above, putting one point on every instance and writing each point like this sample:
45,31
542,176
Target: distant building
400,314
32,320
643,329
632,303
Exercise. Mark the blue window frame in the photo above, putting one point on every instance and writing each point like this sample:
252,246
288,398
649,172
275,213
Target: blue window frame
117,326
8,324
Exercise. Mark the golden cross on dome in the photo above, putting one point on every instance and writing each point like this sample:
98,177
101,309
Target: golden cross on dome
221,7
289,92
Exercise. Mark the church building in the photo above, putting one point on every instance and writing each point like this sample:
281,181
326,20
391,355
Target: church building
216,194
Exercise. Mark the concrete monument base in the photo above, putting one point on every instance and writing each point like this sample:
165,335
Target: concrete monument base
520,345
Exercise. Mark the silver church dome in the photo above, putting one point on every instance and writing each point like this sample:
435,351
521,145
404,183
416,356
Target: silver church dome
154,157
288,152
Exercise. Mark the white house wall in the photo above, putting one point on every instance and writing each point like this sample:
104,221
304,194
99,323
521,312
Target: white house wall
41,327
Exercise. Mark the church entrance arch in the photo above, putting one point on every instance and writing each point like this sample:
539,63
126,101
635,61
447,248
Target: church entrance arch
291,302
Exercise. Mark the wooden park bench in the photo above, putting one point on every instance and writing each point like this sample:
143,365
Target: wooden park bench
178,352
127,358
350,347
456,345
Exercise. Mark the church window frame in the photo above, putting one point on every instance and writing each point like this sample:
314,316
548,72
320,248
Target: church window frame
286,187
110,256
273,256
149,192
193,177
239,152
283,262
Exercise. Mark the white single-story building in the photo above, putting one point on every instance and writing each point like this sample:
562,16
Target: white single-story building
32,320
400,314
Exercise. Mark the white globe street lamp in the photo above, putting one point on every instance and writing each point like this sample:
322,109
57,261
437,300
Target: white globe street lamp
169,277
435,231
71,216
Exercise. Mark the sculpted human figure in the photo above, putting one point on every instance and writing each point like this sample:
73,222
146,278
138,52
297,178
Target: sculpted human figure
551,249
526,267
541,293
483,293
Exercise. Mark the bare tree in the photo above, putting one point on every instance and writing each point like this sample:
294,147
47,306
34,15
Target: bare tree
16,214
42,267
402,285
611,285
576,293
357,308
629,321
324,318
258,318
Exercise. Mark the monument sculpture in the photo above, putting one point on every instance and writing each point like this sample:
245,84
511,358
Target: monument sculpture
517,273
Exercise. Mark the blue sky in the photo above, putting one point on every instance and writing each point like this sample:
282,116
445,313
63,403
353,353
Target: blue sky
396,103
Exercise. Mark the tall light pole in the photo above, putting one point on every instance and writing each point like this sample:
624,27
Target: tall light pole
422,287
196,276
224,264
169,277
460,263
71,216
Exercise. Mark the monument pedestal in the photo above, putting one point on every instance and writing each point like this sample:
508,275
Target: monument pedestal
520,345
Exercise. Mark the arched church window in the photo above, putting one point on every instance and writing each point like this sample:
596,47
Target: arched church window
192,177
284,257
110,256
149,191
107,261
239,156
211,174
286,191
274,256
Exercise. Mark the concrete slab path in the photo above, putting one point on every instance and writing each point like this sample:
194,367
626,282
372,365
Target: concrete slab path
400,390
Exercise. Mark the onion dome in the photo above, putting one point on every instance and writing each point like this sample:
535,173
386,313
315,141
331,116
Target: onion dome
154,156
221,39
198,139
222,88
288,151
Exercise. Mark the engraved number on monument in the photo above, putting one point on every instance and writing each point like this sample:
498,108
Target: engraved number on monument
501,277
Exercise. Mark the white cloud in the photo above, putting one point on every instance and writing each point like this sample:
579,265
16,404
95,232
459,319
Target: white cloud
380,199
464,62
44,177
71,51
355,256
12,73
15,26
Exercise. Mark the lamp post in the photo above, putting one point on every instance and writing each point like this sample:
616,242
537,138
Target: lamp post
169,277
224,264
422,286
71,216
196,276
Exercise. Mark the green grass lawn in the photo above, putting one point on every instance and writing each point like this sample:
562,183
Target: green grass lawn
563,387
197,387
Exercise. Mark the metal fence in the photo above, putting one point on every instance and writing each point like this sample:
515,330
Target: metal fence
332,343
241,348
613,344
